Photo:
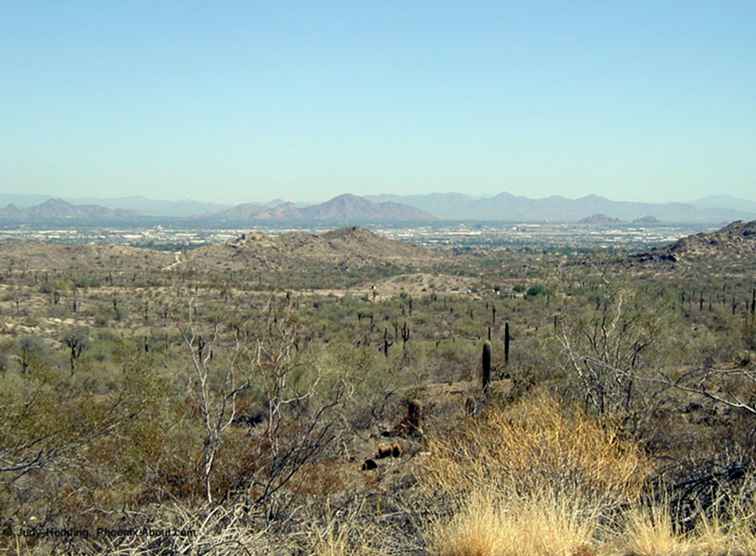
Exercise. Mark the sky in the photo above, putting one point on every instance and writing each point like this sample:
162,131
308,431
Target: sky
244,101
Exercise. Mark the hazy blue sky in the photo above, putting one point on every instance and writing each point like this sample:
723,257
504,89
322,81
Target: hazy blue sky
252,100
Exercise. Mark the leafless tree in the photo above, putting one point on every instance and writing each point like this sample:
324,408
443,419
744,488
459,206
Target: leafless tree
217,405
259,354
605,346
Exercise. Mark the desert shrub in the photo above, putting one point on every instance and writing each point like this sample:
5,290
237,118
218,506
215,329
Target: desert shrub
30,350
536,290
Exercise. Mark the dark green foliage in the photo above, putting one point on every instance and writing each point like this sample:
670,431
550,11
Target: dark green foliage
536,291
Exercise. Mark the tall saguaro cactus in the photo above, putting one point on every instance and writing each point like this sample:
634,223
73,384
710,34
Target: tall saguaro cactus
507,339
485,371
386,342
405,333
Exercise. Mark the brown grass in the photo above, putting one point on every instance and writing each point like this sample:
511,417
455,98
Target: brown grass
534,444
541,525
540,480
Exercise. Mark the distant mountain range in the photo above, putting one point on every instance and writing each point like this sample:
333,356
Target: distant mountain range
512,208
352,209
141,205
341,209
726,202
59,211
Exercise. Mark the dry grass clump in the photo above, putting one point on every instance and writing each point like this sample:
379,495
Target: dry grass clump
541,525
534,478
651,532
543,480
534,445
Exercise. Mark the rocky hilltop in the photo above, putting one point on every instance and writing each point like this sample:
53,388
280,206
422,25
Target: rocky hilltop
345,248
737,239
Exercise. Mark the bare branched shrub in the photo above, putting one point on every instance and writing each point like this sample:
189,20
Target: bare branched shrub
299,413
733,386
609,351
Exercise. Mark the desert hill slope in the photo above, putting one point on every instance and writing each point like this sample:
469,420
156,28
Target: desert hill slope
22,256
736,240
344,248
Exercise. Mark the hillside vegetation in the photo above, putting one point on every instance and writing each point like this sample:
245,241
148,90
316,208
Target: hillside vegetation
342,393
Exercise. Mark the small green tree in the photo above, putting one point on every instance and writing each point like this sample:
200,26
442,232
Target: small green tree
28,348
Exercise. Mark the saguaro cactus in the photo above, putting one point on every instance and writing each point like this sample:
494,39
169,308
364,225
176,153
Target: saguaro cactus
507,339
405,333
485,371
386,343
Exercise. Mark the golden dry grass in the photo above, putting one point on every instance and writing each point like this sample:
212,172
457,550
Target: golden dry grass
541,525
539,480
650,532
535,444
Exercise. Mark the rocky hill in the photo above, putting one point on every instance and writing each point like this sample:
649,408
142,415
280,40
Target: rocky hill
345,249
38,256
737,239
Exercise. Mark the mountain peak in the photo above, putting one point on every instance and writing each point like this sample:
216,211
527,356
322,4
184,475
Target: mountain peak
55,202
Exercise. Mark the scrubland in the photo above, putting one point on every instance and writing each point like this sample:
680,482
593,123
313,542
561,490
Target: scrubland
232,401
